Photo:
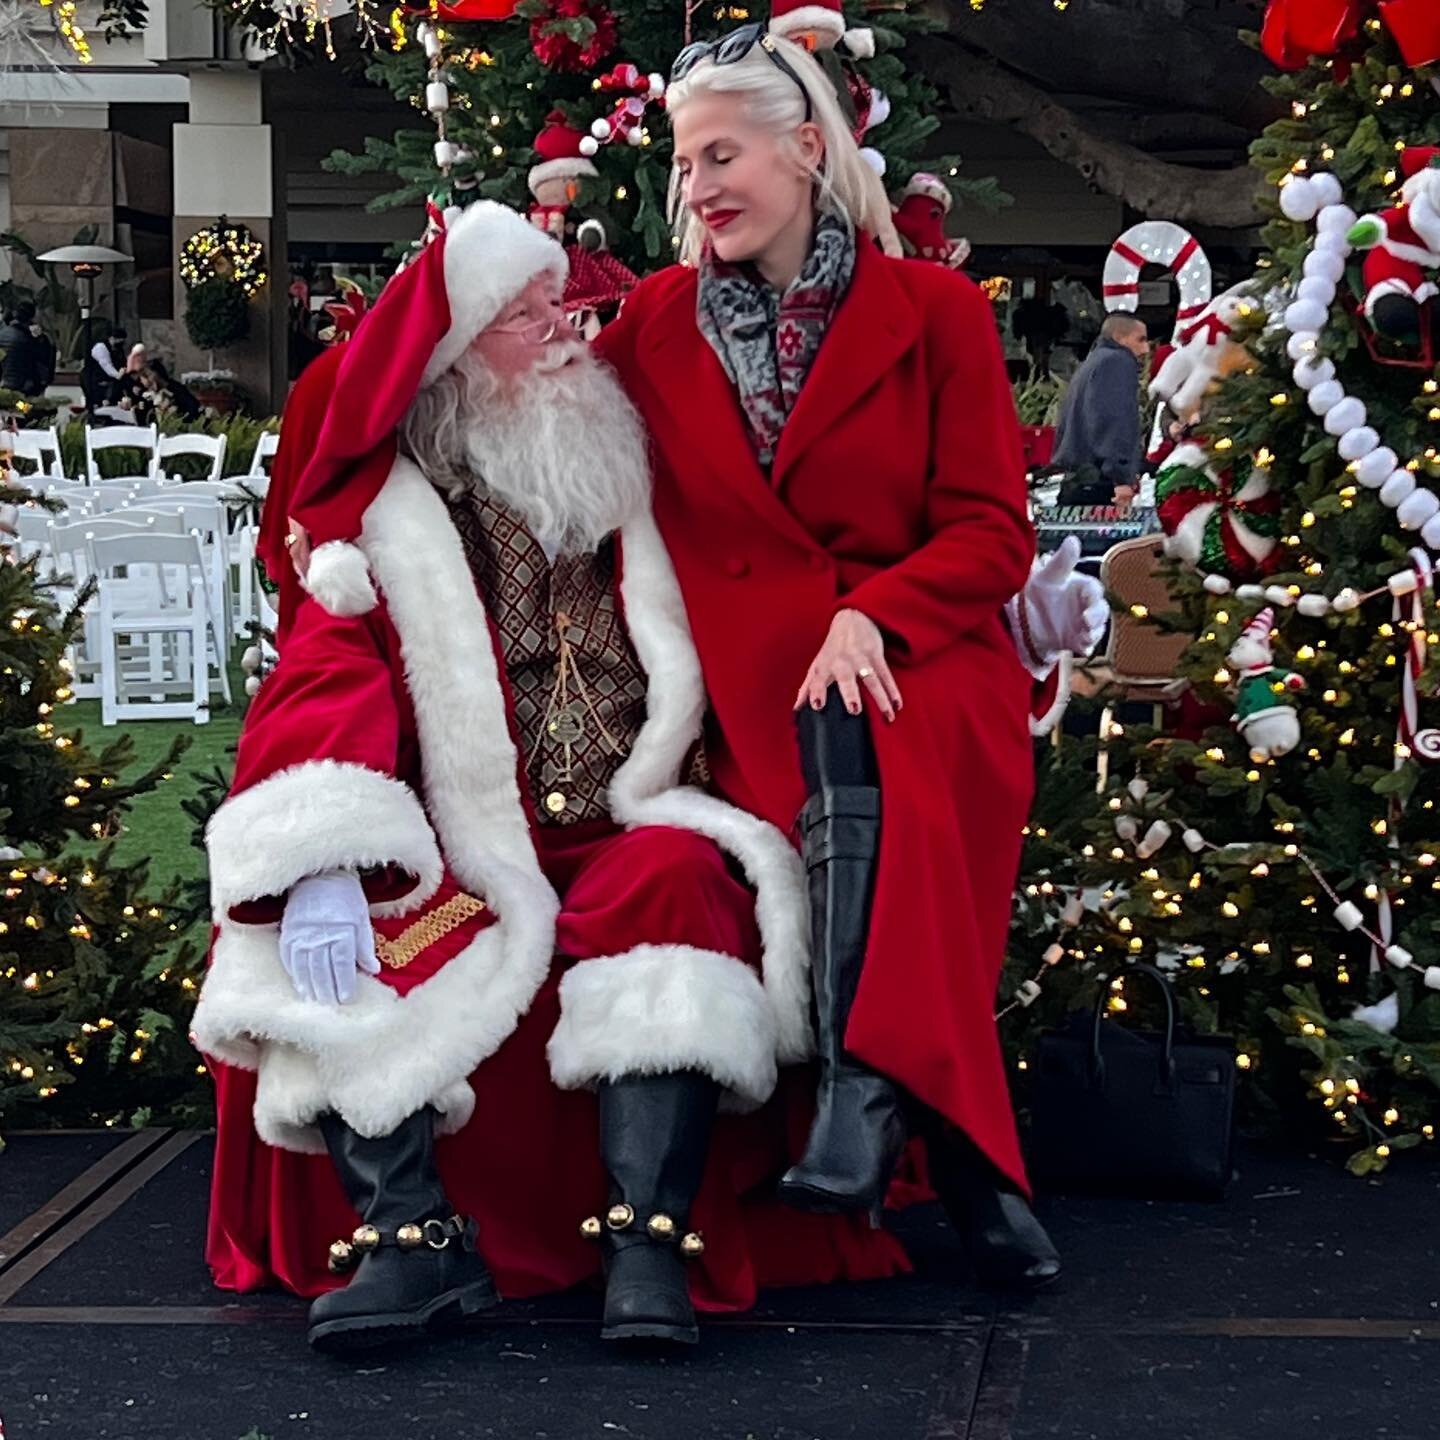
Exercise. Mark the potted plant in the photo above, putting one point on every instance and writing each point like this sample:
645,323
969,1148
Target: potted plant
223,267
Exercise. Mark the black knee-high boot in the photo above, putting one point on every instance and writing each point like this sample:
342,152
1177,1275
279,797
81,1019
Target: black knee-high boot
1008,1246
654,1137
415,1265
859,1129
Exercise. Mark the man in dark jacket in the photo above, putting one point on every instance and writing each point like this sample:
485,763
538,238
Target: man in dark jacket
1098,441
29,363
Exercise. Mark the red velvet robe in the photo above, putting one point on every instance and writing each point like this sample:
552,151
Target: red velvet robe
384,742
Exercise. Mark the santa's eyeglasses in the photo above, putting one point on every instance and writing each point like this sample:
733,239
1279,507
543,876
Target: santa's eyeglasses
537,332
733,48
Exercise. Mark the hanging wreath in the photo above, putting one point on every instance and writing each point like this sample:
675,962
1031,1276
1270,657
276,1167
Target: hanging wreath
224,251
571,35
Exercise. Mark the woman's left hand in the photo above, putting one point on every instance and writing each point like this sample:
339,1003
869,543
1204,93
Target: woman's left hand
853,655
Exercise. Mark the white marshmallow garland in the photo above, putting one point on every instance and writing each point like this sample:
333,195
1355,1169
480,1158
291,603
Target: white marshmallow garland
1318,197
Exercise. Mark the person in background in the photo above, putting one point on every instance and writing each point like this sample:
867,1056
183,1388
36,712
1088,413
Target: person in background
101,372
1098,440
29,363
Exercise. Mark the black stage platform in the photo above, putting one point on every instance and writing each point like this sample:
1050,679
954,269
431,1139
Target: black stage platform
1307,1307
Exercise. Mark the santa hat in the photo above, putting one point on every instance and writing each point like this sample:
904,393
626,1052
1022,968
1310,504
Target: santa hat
423,322
1415,158
562,149
932,187
824,18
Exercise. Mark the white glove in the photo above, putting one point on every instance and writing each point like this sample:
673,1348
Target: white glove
325,937
1065,609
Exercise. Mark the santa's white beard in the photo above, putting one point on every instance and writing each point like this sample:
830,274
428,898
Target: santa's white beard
563,447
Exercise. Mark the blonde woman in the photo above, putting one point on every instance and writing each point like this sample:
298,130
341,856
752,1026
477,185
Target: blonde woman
839,482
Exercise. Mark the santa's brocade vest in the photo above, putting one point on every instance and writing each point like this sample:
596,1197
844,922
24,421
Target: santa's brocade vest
571,740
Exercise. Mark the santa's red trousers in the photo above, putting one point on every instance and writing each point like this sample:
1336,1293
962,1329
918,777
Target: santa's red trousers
527,1165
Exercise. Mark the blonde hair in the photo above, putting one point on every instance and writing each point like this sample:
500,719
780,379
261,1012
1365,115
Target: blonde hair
772,101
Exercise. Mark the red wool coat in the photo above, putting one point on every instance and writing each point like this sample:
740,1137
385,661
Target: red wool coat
897,490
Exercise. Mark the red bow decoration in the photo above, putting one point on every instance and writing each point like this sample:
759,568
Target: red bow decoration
1298,31
1211,323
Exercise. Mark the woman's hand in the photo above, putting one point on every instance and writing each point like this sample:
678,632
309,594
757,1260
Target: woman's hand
853,655
297,542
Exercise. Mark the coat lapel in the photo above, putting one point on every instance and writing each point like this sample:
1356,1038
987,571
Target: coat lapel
873,327
675,349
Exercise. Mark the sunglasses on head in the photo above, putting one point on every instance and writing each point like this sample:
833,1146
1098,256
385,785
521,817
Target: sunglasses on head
735,47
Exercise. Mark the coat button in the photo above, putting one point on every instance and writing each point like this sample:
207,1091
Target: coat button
736,566
819,562
555,802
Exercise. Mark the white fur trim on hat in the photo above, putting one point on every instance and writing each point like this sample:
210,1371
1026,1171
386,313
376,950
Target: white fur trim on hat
932,186
491,254
659,1008
817,18
339,578
873,158
567,167
860,42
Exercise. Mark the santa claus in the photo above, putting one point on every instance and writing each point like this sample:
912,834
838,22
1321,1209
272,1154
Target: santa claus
1404,245
467,763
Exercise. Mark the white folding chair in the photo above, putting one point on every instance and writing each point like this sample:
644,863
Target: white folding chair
265,448
40,447
68,542
182,627
144,438
211,447
205,514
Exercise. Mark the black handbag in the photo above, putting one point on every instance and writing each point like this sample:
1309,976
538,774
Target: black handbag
1133,1111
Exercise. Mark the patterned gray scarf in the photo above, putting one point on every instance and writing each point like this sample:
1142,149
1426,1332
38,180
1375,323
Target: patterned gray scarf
766,341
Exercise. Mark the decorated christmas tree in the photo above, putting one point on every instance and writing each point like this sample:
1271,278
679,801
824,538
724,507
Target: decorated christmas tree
95,991
555,106
1275,844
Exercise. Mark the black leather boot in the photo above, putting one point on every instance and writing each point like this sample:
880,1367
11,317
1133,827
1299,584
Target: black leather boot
415,1265
859,1129
1008,1246
654,1137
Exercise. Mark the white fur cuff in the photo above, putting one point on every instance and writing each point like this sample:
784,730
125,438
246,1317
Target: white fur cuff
660,1008
339,578
323,815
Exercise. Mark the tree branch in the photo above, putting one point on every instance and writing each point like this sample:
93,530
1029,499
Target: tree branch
984,90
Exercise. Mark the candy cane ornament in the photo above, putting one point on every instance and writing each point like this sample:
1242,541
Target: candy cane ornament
1158,242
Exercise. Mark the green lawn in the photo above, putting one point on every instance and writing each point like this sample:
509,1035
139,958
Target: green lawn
157,829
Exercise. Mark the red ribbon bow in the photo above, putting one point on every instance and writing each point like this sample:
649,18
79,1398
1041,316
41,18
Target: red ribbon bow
1297,31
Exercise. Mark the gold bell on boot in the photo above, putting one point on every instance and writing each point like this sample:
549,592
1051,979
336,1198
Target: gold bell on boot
342,1257
692,1246
591,1228
365,1239
660,1227
410,1237
620,1217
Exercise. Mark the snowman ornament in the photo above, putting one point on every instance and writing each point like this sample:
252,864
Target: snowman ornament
1265,715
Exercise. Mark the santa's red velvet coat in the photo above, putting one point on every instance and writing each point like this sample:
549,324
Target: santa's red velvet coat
898,490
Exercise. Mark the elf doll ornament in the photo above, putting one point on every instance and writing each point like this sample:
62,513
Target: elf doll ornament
920,219
1264,713
555,178
1404,246
596,282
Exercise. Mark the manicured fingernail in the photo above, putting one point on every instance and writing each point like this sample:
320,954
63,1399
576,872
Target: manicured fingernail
854,708
817,704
